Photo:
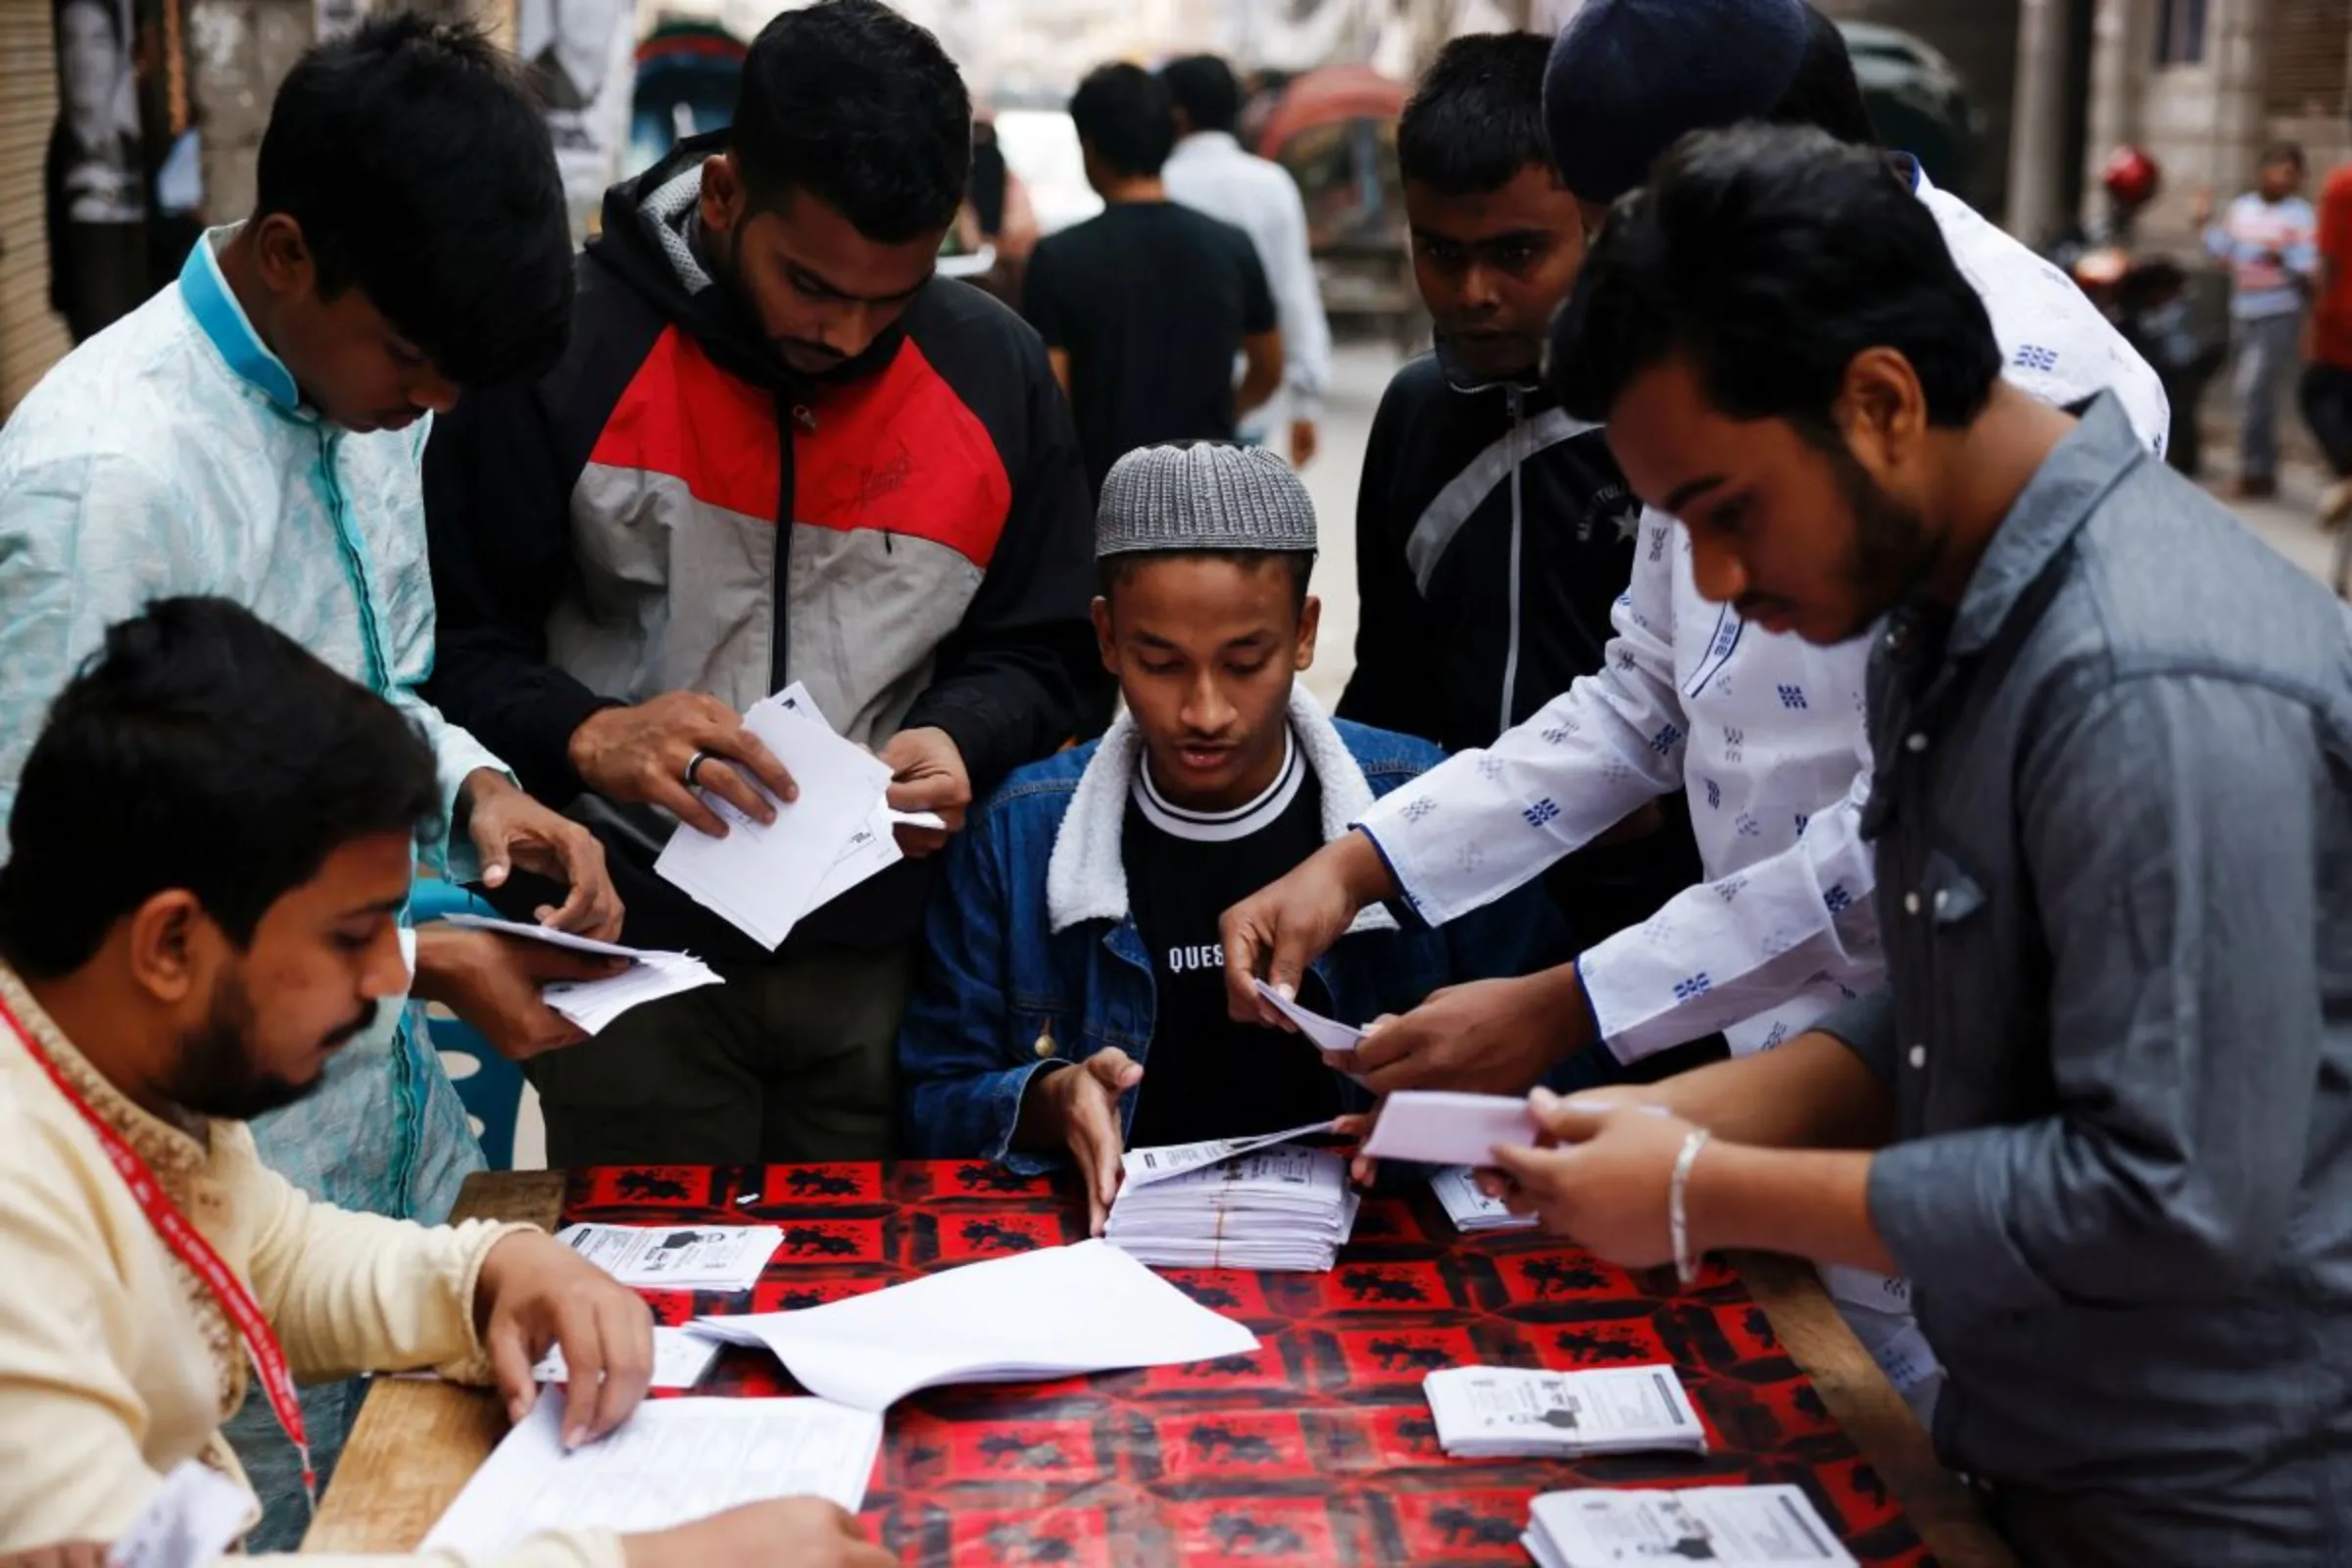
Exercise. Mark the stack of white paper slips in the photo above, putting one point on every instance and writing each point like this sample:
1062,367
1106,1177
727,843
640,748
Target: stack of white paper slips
1284,1209
1502,1412
1472,1211
1728,1527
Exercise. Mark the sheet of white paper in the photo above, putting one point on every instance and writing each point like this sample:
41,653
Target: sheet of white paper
1729,1527
1472,1211
989,1323
872,850
930,819
762,878
195,1518
1327,1034
705,1257
1441,1128
680,1360
1498,1412
674,1461
595,1004
1141,1168
553,938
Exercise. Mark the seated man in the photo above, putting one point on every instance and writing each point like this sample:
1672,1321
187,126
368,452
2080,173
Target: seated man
1073,949
2101,1120
211,850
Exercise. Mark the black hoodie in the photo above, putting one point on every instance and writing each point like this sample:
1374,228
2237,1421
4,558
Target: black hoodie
672,508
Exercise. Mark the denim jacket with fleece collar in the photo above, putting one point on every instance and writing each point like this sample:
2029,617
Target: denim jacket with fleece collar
1032,956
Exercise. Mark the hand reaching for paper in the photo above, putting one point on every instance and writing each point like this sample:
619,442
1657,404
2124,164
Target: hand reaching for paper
1496,1037
511,829
788,1533
495,984
535,1293
643,755
927,774
1276,932
1077,1108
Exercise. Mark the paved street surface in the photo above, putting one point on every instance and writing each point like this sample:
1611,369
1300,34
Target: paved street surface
1361,370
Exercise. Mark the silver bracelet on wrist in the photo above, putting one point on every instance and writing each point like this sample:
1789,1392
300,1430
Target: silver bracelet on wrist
1678,1222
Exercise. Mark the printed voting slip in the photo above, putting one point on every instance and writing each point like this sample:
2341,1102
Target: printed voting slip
1141,1168
1472,1211
190,1523
762,878
594,1004
1435,1128
1504,1412
683,1257
1051,1313
1728,1527
1327,1035
1283,1208
672,1463
680,1360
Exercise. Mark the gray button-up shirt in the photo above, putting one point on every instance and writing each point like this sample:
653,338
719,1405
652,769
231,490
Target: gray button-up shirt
2113,814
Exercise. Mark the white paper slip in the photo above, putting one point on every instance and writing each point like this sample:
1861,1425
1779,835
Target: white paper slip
680,1360
1494,1412
594,1004
1141,1168
1049,1313
684,1257
1327,1034
1728,1527
930,819
1442,1128
672,1463
762,878
195,1519
1471,1211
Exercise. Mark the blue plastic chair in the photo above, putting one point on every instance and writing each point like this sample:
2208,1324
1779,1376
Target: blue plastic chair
489,1085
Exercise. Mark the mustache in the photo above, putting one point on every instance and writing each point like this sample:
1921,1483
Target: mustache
361,1022
806,345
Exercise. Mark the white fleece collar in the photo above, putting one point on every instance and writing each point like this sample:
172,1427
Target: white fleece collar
1086,879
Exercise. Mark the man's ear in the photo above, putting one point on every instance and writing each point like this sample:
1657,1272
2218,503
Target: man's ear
1104,643
165,936
1882,410
284,254
724,195
1310,621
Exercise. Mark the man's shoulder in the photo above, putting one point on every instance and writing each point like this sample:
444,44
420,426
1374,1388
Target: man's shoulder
1041,787
1386,757
124,395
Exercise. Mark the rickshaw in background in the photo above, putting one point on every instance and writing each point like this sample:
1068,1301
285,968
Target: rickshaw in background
688,74
1334,129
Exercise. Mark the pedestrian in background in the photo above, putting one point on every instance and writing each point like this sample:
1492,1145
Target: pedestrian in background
2326,392
2268,238
1211,171
1145,307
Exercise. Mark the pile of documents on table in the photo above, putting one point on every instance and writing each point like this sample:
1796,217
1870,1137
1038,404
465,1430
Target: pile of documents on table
762,878
679,1258
1472,1211
1729,1527
1235,1203
1504,1412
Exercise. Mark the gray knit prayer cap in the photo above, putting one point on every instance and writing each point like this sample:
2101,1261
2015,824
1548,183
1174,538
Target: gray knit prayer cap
1203,496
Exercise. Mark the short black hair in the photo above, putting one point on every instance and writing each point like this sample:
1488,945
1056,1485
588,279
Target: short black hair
419,167
1476,119
1824,94
2282,152
1127,117
203,750
1205,88
859,107
1770,257
1300,563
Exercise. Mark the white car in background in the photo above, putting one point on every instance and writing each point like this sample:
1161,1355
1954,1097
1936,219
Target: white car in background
1041,147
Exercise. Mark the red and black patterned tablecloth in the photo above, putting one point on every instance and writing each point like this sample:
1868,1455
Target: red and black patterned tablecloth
1319,1449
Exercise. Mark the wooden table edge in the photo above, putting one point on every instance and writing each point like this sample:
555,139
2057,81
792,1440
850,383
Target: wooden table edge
1866,1406
417,1443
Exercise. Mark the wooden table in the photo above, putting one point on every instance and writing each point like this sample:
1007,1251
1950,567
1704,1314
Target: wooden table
415,1444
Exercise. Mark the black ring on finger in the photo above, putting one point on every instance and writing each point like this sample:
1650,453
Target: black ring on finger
694,766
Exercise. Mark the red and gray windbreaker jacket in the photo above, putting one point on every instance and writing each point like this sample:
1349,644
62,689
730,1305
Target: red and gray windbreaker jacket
673,510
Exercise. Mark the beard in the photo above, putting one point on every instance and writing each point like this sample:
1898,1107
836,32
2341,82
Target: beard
1890,555
218,1074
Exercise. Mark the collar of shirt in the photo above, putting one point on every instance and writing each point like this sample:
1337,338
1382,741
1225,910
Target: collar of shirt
1205,144
175,1155
2053,506
226,325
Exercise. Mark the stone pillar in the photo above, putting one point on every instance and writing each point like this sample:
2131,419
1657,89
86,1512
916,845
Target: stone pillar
2037,124
2236,42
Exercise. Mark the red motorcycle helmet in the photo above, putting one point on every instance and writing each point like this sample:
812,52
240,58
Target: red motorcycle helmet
2130,178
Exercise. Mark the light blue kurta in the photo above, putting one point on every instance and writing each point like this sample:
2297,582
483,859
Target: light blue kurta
172,455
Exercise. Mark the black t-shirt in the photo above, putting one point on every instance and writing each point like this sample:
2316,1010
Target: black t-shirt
1150,301
1205,1075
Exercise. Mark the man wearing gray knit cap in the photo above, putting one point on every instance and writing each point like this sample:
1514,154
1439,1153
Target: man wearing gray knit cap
1072,1000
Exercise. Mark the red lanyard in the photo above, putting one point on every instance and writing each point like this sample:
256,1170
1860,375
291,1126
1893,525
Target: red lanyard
261,1343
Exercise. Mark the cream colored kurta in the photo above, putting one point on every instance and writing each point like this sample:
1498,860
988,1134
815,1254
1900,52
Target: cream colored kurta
115,1361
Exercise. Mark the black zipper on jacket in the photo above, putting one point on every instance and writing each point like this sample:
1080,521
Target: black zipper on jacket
791,418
